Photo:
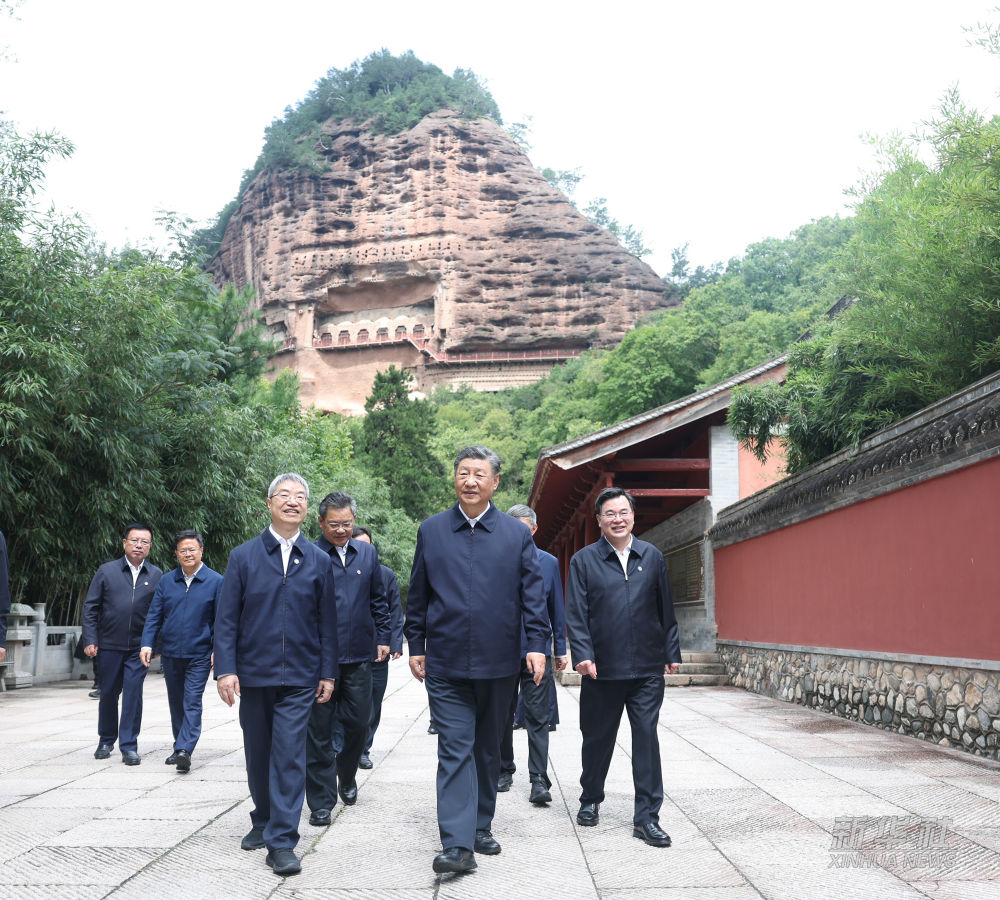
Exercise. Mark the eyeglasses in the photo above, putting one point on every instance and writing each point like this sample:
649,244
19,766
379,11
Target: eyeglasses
610,516
189,552
340,526
139,542
284,496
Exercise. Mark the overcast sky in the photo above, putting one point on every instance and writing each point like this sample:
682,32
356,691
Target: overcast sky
718,122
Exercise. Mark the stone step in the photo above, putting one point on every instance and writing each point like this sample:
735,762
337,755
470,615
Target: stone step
700,657
692,668
680,680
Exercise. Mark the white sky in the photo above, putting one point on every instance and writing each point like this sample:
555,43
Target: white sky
719,122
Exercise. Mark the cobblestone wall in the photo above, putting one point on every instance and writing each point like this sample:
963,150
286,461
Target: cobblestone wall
949,705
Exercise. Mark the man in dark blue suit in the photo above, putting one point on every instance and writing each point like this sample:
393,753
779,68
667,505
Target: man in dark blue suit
113,616
623,637
362,623
276,649
4,599
536,697
475,579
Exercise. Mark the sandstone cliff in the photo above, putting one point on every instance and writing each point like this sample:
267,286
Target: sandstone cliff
445,245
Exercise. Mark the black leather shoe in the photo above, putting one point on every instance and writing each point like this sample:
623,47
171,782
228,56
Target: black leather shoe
432,729
183,761
284,862
486,843
131,758
539,792
454,859
320,817
365,762
652,834
171,760
504,782
588,814
348,793
95,693
103,751
253,839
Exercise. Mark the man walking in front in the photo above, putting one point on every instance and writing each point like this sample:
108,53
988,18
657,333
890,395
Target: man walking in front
623,637
536,697
113,617
475,577
362,623
276,649
181,619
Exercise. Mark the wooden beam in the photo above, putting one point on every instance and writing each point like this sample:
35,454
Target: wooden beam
669,492
659,465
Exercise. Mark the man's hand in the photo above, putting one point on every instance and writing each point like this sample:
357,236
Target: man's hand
417,667
383,651
396,655
561,663
324,690
3,653
229,689
671,668
536,665
90,650
587,668
145,654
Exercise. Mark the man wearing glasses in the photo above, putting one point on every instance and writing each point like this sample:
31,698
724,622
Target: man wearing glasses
623,638
114,614
363,622
276,649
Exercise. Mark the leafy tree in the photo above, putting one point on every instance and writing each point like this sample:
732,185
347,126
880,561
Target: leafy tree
922,265
396,434
628,236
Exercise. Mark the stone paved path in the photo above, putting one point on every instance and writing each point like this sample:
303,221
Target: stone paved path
760,794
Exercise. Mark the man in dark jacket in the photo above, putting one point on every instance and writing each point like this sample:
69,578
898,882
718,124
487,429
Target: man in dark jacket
4,599
475,579
113,617
276,649
363,623
623,637
380,668
536,696
181,619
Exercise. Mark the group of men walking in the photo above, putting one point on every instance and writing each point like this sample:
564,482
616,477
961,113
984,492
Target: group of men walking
302,632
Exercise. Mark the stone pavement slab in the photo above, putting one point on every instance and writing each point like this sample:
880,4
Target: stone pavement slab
763,799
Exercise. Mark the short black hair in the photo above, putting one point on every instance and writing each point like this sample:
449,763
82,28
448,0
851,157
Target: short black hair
136,526
609,494
337,500
188,534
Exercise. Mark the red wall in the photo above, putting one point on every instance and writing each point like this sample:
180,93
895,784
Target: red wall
914,571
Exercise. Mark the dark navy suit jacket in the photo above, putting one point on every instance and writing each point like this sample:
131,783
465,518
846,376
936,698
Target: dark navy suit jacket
182,618
115,610
275,629
552,581
395,612
4,591
362,611
470,590
626,626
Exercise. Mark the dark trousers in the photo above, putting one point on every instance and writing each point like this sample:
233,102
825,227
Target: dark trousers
380,679
601,705
535,698
274,722
553,706
185,679
469,714
121,674
351,707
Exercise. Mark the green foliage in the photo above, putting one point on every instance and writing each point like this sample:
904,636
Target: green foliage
628,236
395,438
923,267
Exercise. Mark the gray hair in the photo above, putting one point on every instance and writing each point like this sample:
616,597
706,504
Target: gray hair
520,511
288,476
337,500
478,451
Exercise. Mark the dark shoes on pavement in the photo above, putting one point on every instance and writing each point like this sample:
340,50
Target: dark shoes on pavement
183,761
504,782
432,729
320,817
539,792
486,843
454,859
131,758
652,834
103,751
365,762
284,862
171,760
588,814
348,793
253,839
95,693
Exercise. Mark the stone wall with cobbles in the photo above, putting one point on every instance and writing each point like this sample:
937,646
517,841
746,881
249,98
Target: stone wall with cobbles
950,705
